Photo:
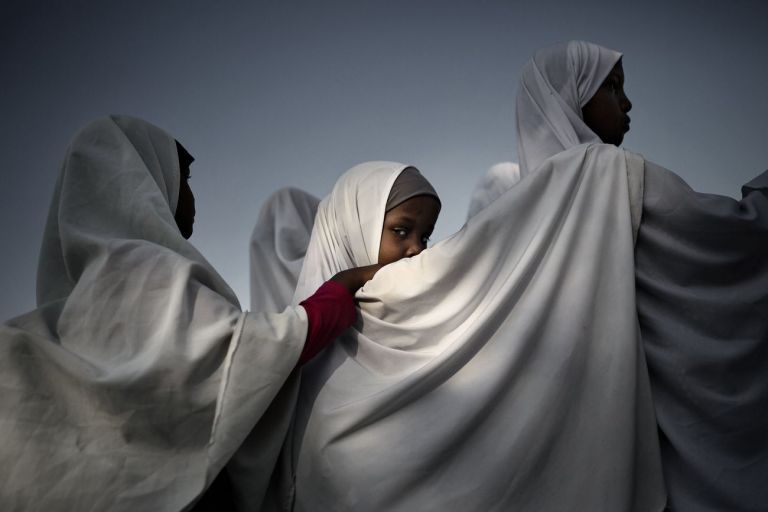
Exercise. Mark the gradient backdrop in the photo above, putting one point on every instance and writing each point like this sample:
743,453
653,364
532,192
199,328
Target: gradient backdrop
270,94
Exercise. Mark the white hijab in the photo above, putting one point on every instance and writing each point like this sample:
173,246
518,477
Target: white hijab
498,370
348,224
278,245
137,376
701,267
555,84
499,178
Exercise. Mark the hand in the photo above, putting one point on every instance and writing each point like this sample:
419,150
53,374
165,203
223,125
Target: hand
355,278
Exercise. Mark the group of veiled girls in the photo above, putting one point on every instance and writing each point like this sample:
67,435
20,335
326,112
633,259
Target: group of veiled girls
595,337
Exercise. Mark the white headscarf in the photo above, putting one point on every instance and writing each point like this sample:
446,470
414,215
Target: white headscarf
555,84
498,370
278,245
499,178
138,375
348,224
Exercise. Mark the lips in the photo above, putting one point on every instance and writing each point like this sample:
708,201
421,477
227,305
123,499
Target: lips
627,120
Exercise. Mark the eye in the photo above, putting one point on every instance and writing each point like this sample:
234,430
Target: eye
401,232
425,240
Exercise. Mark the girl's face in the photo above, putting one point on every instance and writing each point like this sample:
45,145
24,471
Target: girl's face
606,111
407,228
185,208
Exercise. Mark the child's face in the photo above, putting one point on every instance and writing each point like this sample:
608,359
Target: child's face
606,111
185,209
407,228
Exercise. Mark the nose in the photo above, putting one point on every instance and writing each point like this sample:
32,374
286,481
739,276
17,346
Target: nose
626,105
414,247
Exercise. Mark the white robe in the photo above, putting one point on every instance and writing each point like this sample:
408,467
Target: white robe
499,369
278,244
137,376
702,296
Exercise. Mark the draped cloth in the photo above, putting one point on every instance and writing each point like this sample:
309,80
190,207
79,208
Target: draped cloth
277,247
278,244
702,296
499,178
499,369
555,85
137,376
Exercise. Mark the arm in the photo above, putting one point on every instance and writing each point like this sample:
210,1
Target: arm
331,309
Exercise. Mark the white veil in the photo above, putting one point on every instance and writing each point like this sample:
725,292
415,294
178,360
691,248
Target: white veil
137,376
278,244
499,369
556,83
499,178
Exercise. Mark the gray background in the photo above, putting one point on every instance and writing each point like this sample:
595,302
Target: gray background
270,94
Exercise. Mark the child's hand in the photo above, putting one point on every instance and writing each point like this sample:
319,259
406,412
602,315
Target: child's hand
355,278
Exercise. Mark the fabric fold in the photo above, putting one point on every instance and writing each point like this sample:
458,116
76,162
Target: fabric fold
137,375
488,371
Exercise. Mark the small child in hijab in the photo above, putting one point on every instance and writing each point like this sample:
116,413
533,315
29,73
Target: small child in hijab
410,214
377,213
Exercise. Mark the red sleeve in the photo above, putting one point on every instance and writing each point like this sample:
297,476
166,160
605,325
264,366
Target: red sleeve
331,310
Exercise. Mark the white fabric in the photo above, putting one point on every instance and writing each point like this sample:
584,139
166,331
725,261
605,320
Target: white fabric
278,244
499,369
499,178
555,84
348,224
137,376
702,296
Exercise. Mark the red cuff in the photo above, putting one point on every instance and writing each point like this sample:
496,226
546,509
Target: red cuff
331,311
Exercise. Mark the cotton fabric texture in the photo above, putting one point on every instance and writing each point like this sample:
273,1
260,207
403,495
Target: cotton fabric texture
409,183
499,369
278,244
137,376
499,178
702,296
555,84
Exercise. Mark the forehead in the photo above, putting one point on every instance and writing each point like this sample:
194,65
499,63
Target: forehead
416,207
617,70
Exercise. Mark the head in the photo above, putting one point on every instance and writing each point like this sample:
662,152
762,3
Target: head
185,208
407,228
110,159
376,213
410,214
555,87
606,112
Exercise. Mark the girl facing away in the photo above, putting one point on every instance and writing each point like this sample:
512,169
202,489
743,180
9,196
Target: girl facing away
701,266
137,376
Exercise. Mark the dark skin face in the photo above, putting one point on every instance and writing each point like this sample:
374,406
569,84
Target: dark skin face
606,111
185,208
407,228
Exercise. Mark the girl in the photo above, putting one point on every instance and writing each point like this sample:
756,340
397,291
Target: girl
278,244
488,371
135,379
702,276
